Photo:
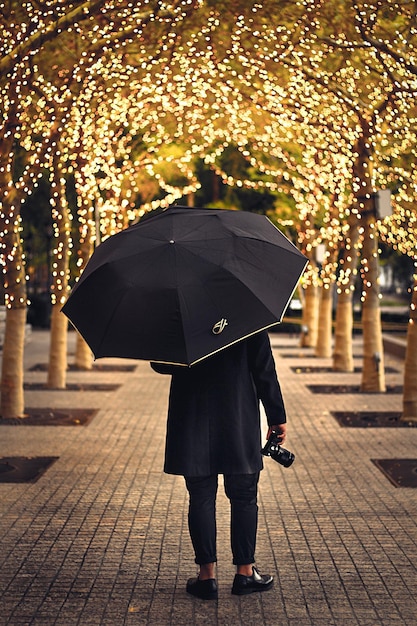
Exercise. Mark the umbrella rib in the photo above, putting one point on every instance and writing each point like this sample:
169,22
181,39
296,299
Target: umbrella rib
241,279
109,321
293,250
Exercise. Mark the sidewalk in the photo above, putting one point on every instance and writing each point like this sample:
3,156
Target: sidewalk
101,538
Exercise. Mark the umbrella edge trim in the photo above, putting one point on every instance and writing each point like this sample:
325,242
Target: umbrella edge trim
259,330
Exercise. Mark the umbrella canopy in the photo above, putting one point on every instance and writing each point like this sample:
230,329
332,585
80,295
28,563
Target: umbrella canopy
184,284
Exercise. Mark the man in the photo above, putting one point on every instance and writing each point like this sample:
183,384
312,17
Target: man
214,428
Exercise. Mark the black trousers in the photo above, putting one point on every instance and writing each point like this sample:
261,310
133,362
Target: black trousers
242,490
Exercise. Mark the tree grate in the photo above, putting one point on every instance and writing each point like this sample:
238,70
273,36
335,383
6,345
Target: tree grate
371,419
309,355
72,387
400,472
51,417
23,469
318,369
337,389
97,367
297,355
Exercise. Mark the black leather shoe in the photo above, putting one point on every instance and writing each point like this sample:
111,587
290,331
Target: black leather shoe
204,589
242,585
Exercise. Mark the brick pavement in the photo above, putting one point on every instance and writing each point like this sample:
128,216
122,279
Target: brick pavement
101,538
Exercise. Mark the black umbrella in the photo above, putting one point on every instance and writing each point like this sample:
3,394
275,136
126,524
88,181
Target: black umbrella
184,284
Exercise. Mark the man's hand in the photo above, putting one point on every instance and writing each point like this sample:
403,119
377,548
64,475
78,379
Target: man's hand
280,430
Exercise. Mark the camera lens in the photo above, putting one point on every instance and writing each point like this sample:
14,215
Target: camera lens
284,457
280,455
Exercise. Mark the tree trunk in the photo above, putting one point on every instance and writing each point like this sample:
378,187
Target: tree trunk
373,372
324,337
310,316
13,267
327,275
88,232
410,366
83,356
57,370
343,350
12,396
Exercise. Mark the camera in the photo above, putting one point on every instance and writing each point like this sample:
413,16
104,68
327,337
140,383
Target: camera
275,451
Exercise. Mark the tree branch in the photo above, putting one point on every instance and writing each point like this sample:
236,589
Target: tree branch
35,41
381,46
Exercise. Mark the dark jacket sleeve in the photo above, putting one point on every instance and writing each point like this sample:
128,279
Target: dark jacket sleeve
265,378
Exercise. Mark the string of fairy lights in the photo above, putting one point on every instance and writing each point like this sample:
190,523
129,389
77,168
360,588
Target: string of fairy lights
145,90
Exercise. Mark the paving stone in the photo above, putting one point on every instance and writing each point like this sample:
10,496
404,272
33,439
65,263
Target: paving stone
101,538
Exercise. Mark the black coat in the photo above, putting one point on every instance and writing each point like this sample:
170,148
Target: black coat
213,415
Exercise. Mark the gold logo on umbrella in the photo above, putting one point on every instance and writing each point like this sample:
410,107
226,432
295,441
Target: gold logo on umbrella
219,326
